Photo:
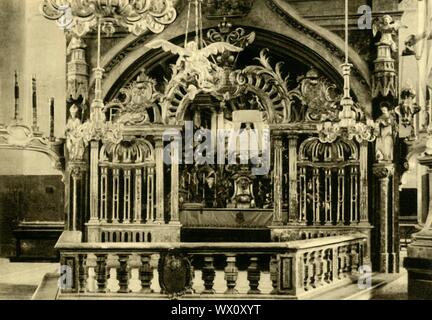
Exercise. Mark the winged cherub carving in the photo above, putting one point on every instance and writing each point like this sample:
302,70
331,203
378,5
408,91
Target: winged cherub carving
195,62
388,28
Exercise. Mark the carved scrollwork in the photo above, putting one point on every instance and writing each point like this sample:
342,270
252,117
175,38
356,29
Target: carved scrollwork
139,97
20,136
268,84
314,99
136,16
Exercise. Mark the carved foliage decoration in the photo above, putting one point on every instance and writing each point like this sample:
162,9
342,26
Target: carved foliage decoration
78,136
314,99
138,16
139,97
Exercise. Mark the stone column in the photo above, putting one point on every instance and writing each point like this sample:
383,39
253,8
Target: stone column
277,180
76,195
159,145
388,258
419,259
293,212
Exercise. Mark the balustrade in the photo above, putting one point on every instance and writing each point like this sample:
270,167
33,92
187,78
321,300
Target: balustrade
295,268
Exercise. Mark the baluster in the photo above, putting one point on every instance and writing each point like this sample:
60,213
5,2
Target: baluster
146,274
104,194
316,196
341,196
302,195
150,195
346,261
115,198
341,259
137,194
328,197
354,258
274,274
123,273
126,195
231,275
253,276
319,271
190,289
208,275
306,268
354,219
327,266
312,269
335,263
82,272
101,273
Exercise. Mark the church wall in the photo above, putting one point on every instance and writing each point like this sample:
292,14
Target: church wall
32,45
30,189
12,43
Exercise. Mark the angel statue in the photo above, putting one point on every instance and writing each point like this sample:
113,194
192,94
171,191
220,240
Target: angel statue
388,27
195,62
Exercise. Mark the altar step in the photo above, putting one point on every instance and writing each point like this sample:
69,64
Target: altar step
384,286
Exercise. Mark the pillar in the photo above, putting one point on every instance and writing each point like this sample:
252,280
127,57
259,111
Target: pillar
364,201
159,145
388,256
293,212
94,176
174,183
76,195
277,180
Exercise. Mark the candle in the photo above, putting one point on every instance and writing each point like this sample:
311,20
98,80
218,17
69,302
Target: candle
34,104
16,96
52,119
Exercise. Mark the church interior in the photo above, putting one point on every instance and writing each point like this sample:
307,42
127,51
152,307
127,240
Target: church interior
216,149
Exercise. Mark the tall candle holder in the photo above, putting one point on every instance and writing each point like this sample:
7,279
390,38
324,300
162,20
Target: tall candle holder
52,118
35,127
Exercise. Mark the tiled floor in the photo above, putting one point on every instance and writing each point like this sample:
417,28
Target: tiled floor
19,280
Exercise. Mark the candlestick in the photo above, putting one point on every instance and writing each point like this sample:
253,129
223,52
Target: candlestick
16,116
52,138
34,104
